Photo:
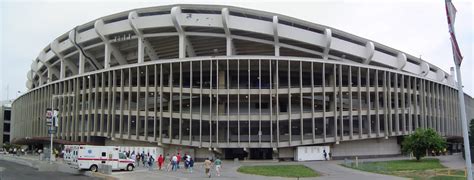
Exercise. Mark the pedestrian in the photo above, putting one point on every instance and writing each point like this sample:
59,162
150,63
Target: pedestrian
151,160
160,161
185,161
145,160
207,165
218,164
174,162
170,165
179,159
191,165
325,155
134,157
138,159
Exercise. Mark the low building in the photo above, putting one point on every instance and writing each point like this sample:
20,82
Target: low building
5,121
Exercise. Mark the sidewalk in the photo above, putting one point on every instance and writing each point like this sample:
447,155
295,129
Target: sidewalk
34,162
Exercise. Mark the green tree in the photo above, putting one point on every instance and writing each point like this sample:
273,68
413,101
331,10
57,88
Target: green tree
421,141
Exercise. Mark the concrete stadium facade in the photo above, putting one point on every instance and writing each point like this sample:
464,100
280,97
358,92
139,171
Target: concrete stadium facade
212,79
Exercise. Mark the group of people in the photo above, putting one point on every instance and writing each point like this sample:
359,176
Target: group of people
175,160
145,158
208,164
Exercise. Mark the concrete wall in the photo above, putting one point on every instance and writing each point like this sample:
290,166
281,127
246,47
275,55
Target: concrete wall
366,148
286,153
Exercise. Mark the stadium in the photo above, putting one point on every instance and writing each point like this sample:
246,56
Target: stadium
235,82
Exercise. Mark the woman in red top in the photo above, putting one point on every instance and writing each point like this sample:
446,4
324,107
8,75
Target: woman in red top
179,159
160,161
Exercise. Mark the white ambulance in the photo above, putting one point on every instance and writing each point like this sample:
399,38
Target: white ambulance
68,153
90,157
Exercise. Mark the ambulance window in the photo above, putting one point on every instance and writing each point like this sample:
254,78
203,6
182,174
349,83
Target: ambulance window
122,156
103,154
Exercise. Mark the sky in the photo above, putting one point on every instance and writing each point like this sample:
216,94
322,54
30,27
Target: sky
416,27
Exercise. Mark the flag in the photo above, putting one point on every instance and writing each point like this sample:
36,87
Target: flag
451,16
456,52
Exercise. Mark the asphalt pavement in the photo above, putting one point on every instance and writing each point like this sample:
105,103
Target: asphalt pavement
14,171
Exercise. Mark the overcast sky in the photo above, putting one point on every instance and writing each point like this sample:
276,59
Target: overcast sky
417,27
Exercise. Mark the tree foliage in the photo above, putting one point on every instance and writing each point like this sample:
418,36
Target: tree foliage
421,141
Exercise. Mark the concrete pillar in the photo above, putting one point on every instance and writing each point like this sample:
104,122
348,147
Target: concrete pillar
107,52
141,51
62,72
81,63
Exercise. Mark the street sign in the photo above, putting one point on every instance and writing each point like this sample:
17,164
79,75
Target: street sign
49,113
52,130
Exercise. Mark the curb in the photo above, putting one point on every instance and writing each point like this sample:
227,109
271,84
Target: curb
100,175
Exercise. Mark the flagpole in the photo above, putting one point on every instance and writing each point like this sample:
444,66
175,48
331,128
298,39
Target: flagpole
467,150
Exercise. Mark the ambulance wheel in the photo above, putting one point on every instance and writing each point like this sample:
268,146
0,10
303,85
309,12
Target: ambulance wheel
93,168
130,167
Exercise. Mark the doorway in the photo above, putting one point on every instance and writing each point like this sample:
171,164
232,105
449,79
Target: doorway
261,153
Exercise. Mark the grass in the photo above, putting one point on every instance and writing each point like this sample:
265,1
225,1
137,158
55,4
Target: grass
279,170
401,165
426,169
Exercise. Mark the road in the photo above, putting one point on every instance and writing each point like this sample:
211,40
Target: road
13,171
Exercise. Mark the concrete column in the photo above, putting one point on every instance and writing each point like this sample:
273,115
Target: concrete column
397,106
138,121
369,106
107,53
81,63
377,103
351,119
359,98
141,51
62,72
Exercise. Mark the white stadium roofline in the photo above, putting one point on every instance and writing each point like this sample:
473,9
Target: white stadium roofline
62,51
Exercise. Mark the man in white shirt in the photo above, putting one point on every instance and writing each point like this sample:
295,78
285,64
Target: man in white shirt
174,162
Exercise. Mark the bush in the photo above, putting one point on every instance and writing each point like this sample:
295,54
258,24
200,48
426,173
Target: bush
421,141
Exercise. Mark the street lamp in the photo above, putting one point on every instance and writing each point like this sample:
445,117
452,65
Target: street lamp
53,124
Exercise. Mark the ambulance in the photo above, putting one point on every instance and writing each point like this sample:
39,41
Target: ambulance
90,157
68,153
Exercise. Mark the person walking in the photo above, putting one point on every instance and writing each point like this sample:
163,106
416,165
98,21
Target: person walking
186,163
207,165
138,159
160,161
174,162
325,155
191,165
151,161
145,160
218,164
179,159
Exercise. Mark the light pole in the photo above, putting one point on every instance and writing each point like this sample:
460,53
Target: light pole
53,123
